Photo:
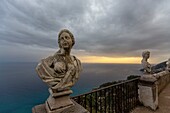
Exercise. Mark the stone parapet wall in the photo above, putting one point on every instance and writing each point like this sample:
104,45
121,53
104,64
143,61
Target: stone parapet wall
163,79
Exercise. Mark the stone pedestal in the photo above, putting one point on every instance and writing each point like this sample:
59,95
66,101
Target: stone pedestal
56,94
56,105
148,91
59,102
76,108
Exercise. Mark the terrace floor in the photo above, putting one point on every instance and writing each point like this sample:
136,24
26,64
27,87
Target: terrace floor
164,103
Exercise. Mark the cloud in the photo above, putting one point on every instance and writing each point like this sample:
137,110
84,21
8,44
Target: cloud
110,28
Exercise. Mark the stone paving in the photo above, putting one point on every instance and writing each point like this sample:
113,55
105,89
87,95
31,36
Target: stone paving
164,103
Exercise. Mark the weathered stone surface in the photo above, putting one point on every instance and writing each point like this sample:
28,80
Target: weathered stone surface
59,94
148,96
61,70
39,109
53,104
148,78
163,79
76,108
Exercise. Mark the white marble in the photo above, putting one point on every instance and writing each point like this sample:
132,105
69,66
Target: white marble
146,65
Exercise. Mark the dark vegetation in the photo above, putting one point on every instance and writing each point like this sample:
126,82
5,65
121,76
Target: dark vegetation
115,82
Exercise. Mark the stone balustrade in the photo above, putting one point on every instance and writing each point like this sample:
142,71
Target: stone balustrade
163,79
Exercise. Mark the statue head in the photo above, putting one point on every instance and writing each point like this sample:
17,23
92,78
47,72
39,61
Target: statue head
146,54
66,39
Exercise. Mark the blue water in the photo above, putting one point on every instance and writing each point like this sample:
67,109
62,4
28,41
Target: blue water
21,88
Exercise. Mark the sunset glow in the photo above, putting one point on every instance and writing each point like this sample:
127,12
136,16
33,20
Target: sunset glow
101,59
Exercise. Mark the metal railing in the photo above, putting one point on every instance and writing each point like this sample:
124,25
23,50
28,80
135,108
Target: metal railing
117,98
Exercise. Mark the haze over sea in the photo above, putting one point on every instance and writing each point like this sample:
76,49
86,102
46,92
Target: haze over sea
21,88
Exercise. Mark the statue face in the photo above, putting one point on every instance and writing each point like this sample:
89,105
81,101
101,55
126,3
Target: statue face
147,55
65,40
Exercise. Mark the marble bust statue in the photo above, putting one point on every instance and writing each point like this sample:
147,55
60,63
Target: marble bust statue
61,70
146,65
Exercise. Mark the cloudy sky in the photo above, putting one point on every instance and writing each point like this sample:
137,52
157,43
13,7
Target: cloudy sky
112,31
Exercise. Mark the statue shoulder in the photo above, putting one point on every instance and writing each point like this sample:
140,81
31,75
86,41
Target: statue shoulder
75,58
77,62
48,60
143,62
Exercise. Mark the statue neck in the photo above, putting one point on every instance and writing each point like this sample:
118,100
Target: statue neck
146,59
65,52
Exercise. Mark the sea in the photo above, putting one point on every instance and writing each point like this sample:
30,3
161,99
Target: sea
21,88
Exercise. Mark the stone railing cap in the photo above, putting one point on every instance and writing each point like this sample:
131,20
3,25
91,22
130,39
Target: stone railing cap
148,78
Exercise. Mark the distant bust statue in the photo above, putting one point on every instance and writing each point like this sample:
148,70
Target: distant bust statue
168,65
146,65
61,70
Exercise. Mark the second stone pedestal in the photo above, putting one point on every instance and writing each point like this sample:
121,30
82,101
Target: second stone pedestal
148,91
